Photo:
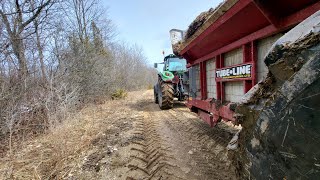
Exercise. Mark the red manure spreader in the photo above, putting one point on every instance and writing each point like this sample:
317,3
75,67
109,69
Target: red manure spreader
257,63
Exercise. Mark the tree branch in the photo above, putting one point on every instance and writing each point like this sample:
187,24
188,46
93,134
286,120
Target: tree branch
36,14
6,22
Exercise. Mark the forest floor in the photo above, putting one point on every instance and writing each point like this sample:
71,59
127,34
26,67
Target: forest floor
125,139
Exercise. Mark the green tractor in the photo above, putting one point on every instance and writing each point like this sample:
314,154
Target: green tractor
170,81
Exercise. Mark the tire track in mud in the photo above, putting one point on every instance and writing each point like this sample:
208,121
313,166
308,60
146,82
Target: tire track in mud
198,127
151,157
175,144
209,155
191,124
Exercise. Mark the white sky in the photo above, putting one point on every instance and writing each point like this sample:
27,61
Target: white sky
147,22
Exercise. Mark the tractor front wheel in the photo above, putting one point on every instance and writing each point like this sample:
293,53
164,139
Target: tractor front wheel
165,96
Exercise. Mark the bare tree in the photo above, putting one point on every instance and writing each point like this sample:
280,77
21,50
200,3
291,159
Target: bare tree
16,20
80,15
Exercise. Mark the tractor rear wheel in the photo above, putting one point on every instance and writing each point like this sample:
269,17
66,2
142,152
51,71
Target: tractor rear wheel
155,94
165,96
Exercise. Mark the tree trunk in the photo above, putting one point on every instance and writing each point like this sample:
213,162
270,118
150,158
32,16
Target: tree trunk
40,49
19,52
41,56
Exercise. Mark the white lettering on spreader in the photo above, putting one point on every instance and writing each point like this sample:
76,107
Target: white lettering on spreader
242,71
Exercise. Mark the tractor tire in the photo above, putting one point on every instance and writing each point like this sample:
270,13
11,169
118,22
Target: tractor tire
155,95
165,96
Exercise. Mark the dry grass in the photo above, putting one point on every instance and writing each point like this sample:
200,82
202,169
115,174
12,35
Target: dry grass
62,152
57,153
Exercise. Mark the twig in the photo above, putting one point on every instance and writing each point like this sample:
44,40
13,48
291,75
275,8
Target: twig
285,134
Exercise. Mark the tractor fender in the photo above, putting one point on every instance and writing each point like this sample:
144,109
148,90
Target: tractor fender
166,76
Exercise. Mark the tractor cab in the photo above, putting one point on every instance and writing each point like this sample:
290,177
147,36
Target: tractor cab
174,63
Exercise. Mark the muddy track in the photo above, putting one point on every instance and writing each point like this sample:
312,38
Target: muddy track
151,155
175,144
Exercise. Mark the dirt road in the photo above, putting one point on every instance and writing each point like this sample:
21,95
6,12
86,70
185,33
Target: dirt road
126,139
170,144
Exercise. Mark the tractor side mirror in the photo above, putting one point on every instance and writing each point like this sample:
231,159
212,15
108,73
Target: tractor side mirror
155,65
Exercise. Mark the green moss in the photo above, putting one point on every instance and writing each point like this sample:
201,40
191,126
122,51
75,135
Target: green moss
119,94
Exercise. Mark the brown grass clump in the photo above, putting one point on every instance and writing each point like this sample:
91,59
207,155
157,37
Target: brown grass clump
119,94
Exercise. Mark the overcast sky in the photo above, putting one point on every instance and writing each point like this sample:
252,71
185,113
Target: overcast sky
147,22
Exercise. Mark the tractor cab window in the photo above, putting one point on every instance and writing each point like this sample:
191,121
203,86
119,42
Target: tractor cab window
160,67
176,64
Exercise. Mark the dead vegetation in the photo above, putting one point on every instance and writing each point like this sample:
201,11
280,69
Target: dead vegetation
56,57
193,28
45,157
74,148
198,22
201,23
